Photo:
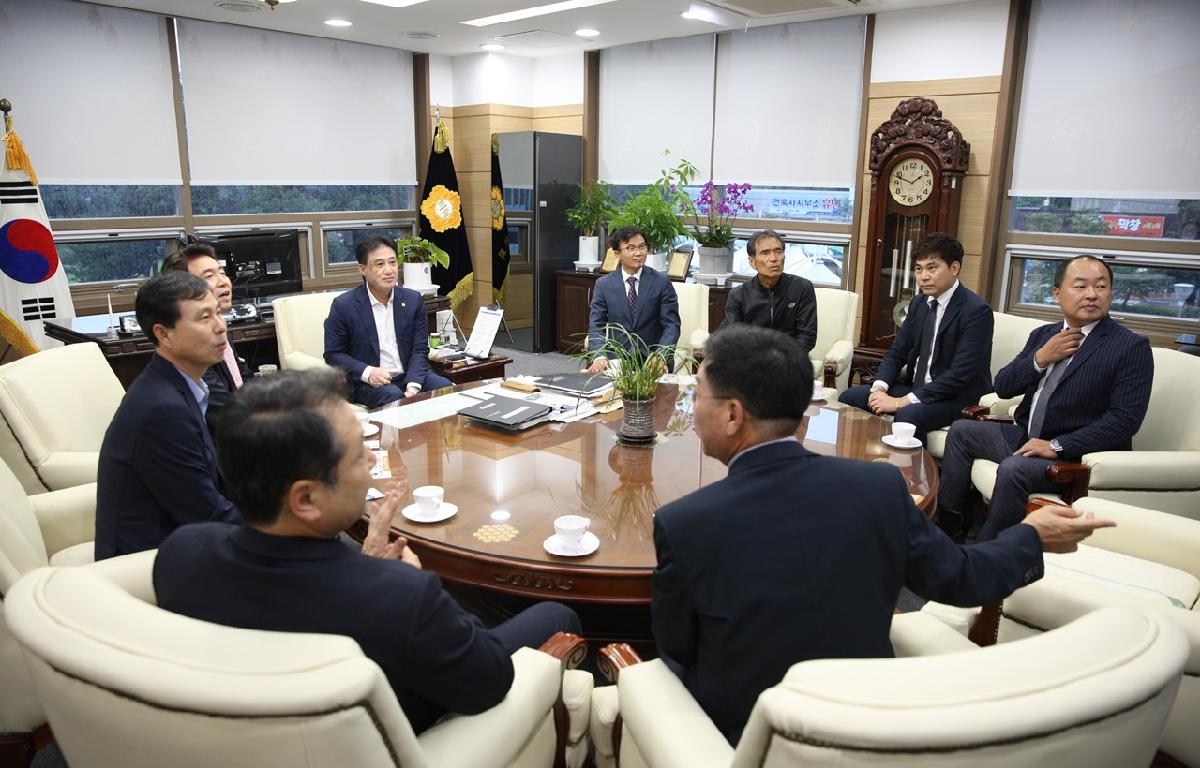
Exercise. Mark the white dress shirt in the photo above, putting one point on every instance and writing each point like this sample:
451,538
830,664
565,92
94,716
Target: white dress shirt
1087,329
385,327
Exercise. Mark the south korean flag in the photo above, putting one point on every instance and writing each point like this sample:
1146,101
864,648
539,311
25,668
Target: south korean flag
33,286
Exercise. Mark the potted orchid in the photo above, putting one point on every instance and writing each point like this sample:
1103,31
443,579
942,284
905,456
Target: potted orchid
712,228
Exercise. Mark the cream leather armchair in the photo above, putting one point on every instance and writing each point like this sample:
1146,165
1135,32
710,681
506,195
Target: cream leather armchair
35,531
1162,471
1149,562
836,313
56,406
300,329
693,321
125,683
1094,693
1009,334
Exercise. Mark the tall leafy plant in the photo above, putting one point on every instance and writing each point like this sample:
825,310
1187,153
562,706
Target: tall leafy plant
594,209
655,209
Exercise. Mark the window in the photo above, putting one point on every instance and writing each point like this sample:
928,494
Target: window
95,257
280,198
1152,291
340,241
808,255
1110,217
110,201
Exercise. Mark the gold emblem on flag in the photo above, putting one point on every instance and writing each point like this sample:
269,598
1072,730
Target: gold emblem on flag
497,209
443,208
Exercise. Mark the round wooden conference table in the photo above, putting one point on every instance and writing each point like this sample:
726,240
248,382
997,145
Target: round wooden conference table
509,489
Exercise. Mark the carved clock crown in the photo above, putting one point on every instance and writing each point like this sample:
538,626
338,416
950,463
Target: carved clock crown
919,121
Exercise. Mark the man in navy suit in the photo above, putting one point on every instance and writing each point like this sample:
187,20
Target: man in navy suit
231,372
293,454
635,297
944,347
158,469
798,556
1086,386
377,332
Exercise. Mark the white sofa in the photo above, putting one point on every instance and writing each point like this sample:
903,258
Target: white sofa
1094,693
693,321
1150,562
56,406
300,329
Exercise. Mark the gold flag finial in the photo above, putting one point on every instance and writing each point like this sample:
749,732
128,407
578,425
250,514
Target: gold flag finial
441,138
15,156
495,143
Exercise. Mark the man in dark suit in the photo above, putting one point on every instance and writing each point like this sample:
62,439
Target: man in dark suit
230,373
635,297
377,332
293,454
1086,386
944,347
798,556
158,469
773,298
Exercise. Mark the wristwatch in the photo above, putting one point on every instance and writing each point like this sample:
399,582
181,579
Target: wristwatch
1056,446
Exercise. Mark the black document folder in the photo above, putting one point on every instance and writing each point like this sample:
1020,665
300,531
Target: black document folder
507,413
583,384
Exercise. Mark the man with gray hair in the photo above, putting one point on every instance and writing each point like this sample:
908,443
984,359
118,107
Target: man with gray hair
773,298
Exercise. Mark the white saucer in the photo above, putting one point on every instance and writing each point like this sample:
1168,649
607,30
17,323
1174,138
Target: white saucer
586,547
895,442
413,512
370,429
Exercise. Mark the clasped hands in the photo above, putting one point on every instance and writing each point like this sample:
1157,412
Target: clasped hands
881,402
380,378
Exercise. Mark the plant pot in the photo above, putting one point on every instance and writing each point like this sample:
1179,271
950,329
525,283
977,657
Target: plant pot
637,420
657,261
416,275
715,261
589,250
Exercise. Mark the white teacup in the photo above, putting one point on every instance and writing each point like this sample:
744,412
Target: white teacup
570,529
903,432
267,369
428,498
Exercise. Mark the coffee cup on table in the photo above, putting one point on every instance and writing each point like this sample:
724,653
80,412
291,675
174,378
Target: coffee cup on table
429,499
267,369
570,529
903,432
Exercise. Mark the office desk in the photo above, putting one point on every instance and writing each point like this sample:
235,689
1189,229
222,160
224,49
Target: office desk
254,341
509,489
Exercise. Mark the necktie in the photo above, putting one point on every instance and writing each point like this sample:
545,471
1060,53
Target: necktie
232,363
632,296
1043,399
928,329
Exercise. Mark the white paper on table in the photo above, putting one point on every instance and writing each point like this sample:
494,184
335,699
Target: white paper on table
483,334
411,414
563,407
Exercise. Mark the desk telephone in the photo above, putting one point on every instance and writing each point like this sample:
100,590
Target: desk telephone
241,313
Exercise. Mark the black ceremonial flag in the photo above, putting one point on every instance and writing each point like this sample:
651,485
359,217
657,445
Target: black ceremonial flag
441,221
500,253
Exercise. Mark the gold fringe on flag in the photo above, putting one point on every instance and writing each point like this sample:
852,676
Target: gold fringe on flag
441,138
463,291
15,156
14,335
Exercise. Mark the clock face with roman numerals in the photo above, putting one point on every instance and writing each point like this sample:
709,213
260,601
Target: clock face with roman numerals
910,182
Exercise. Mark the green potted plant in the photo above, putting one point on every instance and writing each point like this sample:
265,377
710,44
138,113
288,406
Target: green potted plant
654,211
634,369
590,215
417,254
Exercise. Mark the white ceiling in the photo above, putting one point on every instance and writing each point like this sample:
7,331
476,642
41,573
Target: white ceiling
619,22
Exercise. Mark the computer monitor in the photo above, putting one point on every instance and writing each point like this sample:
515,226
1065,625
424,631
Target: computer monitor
261,263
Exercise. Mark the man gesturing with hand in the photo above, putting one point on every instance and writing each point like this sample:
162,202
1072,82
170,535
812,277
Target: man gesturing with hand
1085,383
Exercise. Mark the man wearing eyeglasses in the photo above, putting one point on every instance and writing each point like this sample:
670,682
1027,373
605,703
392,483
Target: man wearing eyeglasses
635,297
772,298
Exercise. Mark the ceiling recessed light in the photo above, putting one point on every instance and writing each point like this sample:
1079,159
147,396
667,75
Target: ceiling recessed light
588,32
537,10
492,47
339,23
697,12
422,35
239,6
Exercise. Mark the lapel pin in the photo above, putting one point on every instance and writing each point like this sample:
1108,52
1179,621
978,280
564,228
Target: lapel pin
402,304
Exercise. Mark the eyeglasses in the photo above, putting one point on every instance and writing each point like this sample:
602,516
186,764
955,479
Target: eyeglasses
643,248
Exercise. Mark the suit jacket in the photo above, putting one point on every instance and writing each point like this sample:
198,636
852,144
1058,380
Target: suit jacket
436,656
962,352
220,387
657,320
352,343
1100,400
796,556
158,468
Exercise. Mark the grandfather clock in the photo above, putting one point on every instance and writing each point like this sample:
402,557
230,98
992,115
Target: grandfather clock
918,161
